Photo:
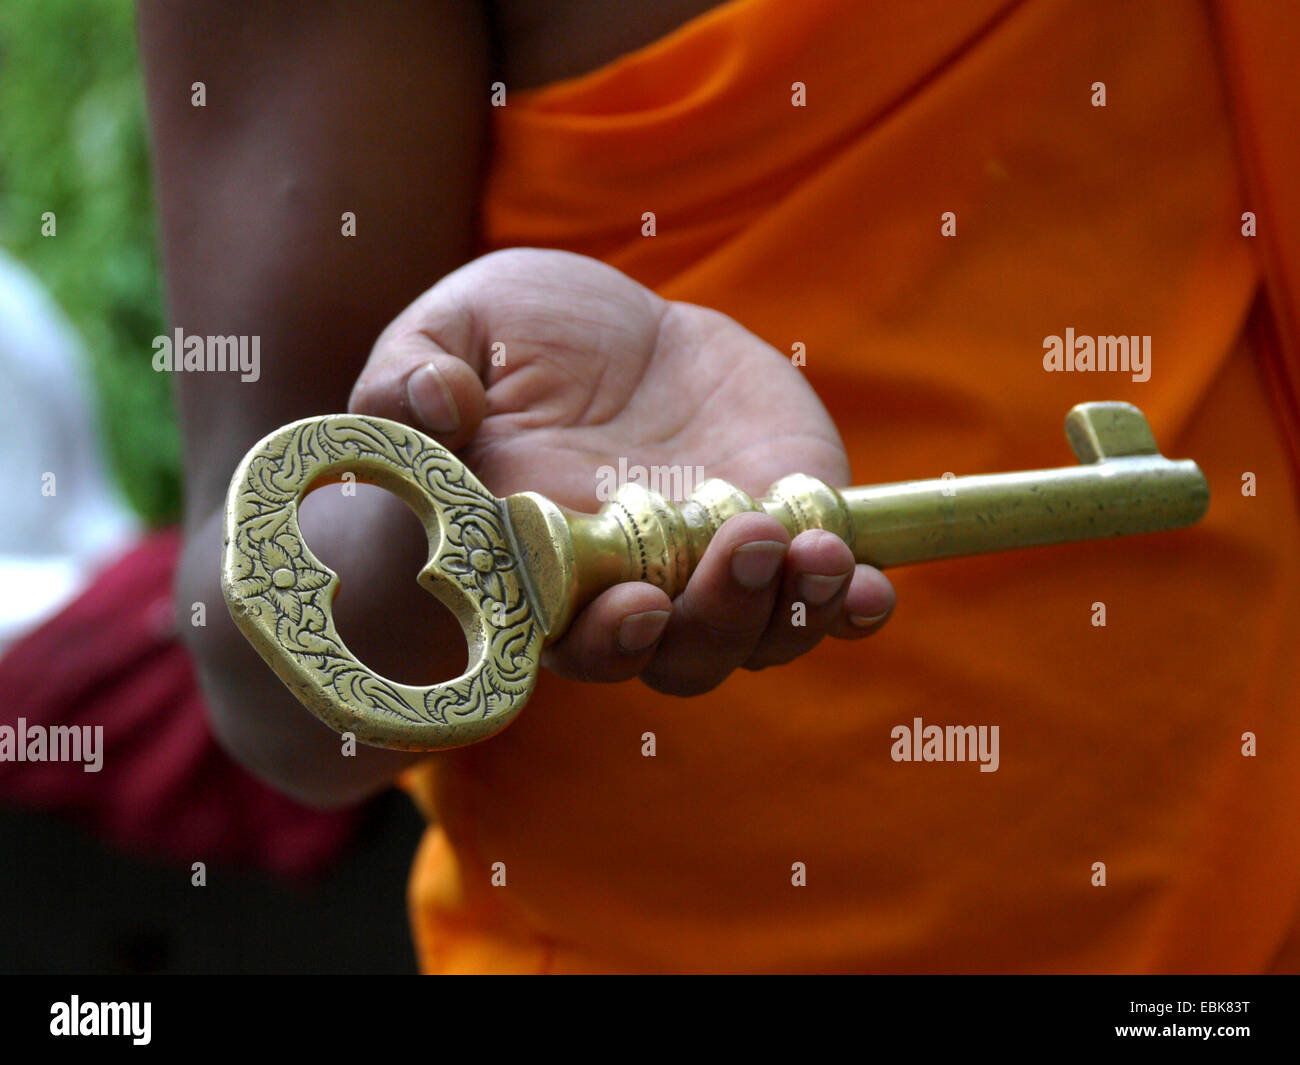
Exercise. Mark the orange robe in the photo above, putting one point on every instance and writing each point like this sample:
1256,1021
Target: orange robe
821,225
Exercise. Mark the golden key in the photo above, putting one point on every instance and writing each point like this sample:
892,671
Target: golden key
515,571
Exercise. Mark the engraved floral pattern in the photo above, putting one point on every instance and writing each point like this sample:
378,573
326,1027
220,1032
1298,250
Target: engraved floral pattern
483,562
283,577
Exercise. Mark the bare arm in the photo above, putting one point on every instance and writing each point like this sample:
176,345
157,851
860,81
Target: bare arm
311,111
382,113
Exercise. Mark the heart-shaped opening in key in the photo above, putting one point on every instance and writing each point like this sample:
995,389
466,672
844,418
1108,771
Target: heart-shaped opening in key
377,545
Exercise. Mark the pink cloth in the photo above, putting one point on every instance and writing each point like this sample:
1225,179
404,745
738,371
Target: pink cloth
112,658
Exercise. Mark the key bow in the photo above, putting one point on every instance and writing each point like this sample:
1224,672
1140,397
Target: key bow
280,594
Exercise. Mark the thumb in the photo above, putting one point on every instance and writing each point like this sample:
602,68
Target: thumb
410,378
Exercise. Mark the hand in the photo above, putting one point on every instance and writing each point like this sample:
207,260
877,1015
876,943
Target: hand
539,367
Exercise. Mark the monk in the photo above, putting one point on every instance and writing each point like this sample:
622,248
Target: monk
836,237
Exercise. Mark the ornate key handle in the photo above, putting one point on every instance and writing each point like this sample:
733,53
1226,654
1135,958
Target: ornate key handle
280,594
514,571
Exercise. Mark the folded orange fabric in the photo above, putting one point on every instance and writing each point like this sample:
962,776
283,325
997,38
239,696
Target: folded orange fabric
823,225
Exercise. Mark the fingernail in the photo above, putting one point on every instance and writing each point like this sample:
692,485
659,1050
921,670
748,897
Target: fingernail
636,632
816,589
858,621
753,565
431,400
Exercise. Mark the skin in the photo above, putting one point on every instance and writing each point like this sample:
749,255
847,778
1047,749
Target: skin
597,366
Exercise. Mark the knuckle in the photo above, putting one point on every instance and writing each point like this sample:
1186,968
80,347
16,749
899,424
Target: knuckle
732,645
675,684
558,662
781,652
726,630
362,396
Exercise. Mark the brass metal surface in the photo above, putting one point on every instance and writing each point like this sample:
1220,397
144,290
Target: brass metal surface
515,571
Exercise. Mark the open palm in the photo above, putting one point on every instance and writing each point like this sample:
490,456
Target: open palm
542,367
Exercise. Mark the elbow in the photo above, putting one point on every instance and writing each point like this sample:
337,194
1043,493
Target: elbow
251,716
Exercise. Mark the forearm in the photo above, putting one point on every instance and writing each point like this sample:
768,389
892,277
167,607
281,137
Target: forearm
328,175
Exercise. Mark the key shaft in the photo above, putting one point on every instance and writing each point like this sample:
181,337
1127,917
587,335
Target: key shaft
1122,487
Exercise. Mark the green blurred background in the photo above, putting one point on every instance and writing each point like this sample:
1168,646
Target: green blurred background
73,140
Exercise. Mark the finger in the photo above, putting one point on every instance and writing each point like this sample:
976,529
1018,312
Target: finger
410,378
718,620
813,586
614,637
867,606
